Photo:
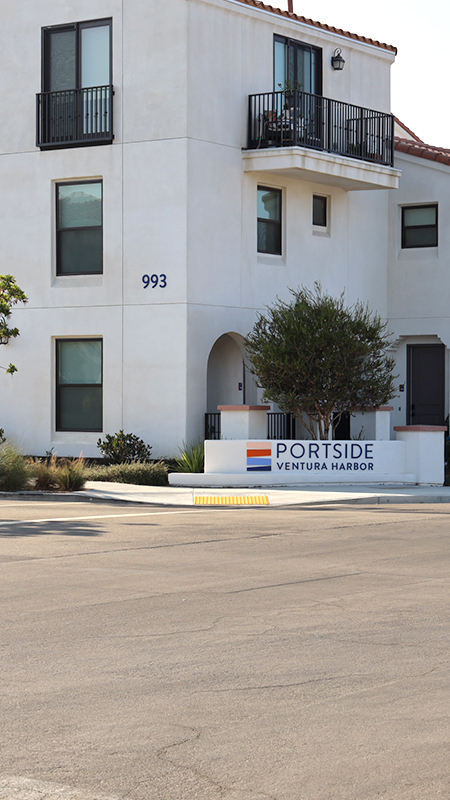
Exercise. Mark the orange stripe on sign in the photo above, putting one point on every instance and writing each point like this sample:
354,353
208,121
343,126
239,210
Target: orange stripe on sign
254,453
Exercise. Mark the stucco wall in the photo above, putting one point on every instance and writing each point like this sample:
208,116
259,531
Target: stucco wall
176,201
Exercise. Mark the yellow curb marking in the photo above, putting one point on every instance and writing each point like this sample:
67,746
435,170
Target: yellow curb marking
243,500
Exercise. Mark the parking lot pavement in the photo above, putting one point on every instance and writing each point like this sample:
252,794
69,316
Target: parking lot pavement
12,788
152,653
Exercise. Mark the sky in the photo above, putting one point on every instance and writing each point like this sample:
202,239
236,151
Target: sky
420,31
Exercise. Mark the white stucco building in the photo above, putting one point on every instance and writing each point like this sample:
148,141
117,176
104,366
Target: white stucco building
149,209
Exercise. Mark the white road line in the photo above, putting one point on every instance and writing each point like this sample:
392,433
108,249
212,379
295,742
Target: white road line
99,516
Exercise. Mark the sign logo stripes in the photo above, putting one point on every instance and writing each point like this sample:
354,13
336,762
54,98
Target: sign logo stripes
259,456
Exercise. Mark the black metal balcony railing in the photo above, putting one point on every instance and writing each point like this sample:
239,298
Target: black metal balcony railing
286,119
74,117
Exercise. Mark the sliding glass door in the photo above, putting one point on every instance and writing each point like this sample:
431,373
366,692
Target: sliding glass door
297,66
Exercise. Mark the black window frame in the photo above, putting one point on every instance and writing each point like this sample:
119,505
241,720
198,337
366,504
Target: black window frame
316,213
405,228
297,45
61,386
59,230
69,114
77,27
272,223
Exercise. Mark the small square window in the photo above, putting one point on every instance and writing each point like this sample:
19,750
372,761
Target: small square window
269,220
420,226
319,215
79,384
79,228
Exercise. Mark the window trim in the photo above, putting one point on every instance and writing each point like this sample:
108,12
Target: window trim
404,227
278,223
58,229
58,427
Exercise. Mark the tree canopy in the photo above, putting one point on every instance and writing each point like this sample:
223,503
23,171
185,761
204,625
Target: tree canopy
10,295
317,358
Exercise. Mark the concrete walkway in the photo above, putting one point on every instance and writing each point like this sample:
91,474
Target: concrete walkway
274,496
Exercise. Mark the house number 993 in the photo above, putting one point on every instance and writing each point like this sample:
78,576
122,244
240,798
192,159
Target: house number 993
154,281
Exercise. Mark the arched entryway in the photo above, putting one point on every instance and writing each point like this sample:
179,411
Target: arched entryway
229,381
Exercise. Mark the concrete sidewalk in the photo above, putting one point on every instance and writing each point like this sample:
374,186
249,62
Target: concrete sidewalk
274,496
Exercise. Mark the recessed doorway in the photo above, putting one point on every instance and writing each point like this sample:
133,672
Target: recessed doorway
426,384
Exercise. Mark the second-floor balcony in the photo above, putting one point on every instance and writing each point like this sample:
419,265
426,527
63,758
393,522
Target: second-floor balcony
74,117
312,138
295,118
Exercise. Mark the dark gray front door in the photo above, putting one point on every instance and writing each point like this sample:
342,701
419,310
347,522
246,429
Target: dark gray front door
426,384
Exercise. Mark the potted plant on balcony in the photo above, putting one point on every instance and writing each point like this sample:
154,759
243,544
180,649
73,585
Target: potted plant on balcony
289,88
294,110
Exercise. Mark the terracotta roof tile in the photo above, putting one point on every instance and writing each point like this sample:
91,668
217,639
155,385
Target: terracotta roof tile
315,24
418,148
408,130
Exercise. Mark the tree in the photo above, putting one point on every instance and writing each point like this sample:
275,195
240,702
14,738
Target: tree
318,359
10,295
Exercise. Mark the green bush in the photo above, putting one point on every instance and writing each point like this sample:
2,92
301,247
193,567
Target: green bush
2,435
124,448
139,473
191,458
14,470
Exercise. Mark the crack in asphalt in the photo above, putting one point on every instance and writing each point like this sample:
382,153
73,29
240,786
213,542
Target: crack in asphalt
376,683
271,685
162,755
294,583
141,547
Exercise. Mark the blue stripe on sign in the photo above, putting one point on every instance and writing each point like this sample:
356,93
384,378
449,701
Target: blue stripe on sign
259,469
255,461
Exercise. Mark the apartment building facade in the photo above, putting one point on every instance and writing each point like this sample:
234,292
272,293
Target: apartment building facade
167,171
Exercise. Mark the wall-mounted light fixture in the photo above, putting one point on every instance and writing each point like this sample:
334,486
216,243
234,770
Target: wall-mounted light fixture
337,62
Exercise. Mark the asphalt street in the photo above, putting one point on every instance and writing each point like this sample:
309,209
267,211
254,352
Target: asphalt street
154,653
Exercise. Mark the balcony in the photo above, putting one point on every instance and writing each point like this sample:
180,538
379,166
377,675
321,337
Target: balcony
74,118
314,138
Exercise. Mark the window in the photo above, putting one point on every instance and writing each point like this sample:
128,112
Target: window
420,226
79,234
77,56
269,220
297,78
79,384
319,214
75,106
297,66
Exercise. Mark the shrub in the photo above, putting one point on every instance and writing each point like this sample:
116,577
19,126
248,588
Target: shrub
71,475
44,473
14,470
2,435
65,475
124,448
139,473
191,458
